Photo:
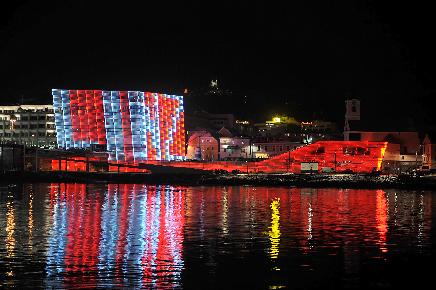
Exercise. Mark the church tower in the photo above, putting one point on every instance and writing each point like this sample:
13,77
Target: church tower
352,113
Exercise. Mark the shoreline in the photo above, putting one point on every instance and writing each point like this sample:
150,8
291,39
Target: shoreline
362,181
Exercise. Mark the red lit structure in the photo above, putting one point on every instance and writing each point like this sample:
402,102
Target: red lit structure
355,156
339,156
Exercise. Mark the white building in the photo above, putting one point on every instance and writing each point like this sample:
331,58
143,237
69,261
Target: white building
271,147
234,148
32,125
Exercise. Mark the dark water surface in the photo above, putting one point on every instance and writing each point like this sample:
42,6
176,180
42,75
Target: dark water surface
140,236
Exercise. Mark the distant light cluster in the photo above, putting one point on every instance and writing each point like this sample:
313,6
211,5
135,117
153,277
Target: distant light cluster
135,126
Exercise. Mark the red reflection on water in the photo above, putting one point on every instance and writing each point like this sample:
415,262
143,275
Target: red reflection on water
123,191
155,237
141,229
83,235
382,217
329,216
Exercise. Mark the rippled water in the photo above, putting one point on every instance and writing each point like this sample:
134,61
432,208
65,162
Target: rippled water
142,236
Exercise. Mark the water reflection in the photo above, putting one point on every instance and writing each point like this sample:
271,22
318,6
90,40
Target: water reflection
131,236
31,221
10,229
381,218
144,236
274,233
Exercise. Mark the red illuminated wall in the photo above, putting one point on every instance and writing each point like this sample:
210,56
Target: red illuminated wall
357,156
87,114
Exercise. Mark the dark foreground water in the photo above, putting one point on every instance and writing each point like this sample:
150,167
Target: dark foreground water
140,236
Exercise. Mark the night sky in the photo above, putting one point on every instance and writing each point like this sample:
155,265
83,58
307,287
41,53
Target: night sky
302,59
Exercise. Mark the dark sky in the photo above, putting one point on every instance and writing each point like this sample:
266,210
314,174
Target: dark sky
302,59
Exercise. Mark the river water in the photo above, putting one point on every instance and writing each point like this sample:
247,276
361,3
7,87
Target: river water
141,236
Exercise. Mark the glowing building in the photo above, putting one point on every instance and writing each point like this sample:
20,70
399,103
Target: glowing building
31,125
134,126
338,156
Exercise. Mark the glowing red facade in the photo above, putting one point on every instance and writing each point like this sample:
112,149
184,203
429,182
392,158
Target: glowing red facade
355,156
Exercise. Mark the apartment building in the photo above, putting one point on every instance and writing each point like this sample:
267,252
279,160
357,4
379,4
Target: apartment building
32,125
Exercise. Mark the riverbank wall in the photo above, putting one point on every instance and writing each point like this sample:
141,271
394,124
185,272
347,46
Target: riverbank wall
195,179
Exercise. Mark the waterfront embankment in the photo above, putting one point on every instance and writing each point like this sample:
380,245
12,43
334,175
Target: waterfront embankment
297,180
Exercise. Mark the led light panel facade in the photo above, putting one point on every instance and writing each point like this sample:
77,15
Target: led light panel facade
135,126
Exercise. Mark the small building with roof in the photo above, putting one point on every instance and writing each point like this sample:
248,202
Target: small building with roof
429,151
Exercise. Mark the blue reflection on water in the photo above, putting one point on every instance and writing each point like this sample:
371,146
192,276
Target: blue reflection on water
140,236
57,242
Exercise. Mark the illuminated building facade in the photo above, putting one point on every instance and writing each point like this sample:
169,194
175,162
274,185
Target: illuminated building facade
270,147
135,126
31,125
429,151
277,126
202,146
338,156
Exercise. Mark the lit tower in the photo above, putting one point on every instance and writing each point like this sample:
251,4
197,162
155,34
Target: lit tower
352,113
